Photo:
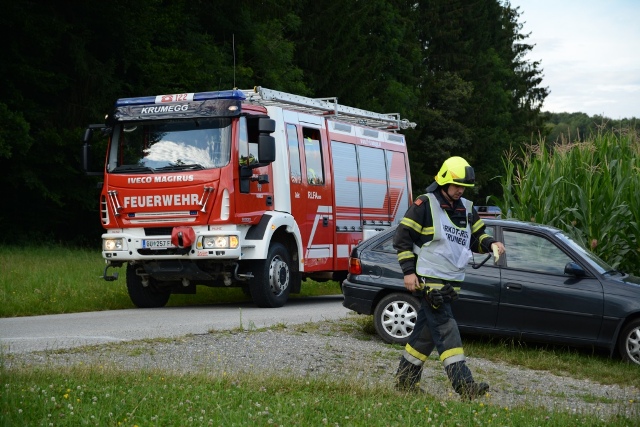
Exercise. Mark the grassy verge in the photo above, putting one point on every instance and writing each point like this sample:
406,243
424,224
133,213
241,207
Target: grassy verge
95,396
52,280
580,363
62,280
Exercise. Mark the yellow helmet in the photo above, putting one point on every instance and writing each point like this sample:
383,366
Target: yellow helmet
456,170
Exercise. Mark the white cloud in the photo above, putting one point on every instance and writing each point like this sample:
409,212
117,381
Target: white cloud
589,52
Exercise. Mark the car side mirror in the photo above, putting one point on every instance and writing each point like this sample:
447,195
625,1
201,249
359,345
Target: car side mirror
574,269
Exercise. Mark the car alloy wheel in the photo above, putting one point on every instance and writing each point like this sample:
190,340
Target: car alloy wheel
395,317
629,344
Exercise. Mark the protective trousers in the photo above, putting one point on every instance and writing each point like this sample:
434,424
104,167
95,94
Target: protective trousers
436,328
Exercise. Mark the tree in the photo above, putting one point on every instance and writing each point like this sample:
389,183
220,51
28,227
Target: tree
453,66
479,95
67,65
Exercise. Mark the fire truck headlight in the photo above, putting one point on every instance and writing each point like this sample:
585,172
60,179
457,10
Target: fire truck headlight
112,244
220,242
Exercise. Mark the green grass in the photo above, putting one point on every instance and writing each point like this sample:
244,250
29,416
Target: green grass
58,279
101,396
47,280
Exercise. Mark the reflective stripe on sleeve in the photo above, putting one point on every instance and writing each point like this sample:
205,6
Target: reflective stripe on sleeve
411,224
405,255
477,226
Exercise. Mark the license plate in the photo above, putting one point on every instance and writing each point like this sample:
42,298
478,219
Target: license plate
157,244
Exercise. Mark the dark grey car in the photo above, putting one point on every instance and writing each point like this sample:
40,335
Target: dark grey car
546,288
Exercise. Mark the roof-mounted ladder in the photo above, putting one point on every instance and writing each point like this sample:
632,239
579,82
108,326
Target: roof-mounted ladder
326,106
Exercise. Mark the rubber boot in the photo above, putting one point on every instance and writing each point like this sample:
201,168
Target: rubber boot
462,381
473,390
408,377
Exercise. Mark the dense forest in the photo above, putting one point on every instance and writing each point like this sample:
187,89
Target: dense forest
455,67
574,127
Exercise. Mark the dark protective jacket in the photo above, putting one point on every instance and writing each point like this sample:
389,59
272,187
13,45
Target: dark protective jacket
416,228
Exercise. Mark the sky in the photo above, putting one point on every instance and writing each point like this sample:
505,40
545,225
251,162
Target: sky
589,53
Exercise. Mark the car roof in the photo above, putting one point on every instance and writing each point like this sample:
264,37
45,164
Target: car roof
524,225
510,223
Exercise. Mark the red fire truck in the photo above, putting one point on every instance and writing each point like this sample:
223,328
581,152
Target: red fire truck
258,189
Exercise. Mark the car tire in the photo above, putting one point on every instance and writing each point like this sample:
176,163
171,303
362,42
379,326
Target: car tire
629,342
149,296
395,316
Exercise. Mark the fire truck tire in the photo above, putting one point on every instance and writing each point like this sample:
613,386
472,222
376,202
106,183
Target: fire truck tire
145,296
271,282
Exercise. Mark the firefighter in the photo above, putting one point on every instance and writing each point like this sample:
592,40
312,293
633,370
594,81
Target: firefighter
434,241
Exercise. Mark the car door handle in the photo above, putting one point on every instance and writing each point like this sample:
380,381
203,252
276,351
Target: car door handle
514,286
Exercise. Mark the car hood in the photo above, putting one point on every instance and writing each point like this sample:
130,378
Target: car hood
623,285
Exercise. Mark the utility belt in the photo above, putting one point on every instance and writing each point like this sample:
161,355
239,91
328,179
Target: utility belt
436,291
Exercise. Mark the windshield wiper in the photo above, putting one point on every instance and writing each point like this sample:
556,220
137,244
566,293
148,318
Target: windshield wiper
132,168
194,166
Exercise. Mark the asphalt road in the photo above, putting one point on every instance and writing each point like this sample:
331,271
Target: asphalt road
25,334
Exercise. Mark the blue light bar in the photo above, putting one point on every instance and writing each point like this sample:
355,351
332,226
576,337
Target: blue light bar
181,97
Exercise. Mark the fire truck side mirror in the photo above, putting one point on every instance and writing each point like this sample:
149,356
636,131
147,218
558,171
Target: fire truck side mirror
88,134
266,149
266,125
86,156
86,149
266,143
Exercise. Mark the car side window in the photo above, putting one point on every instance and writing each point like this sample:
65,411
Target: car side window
386,246
533,253
478,258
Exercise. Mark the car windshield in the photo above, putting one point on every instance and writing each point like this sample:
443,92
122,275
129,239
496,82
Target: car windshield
601,266
150,147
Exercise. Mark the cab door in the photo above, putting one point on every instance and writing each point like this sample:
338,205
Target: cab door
253,196
311,199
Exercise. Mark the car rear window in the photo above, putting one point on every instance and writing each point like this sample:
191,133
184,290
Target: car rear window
385,246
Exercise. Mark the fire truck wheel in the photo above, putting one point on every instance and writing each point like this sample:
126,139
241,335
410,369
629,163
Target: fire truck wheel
271,282
145,296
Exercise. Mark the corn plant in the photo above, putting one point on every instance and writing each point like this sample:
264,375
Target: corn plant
588,189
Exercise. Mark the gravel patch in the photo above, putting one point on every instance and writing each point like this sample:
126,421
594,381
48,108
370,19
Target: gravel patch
333,349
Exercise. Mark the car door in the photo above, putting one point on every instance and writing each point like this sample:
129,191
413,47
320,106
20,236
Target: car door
537,298
477,308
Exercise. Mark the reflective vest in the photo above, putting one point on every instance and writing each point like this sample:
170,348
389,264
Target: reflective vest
446,256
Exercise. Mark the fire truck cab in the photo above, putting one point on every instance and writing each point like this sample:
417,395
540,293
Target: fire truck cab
254,188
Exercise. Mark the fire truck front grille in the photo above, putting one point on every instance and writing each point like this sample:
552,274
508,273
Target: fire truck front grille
157,231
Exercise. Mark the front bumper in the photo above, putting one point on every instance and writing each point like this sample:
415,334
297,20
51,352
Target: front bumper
135,245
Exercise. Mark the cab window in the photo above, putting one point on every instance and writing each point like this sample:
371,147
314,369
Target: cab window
247,151
313,157
294,154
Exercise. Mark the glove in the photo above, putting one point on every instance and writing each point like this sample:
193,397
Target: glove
449,293
434,297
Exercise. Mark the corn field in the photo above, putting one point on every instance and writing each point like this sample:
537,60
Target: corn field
588,189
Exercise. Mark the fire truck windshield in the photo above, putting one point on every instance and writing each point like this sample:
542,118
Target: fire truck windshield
162,146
